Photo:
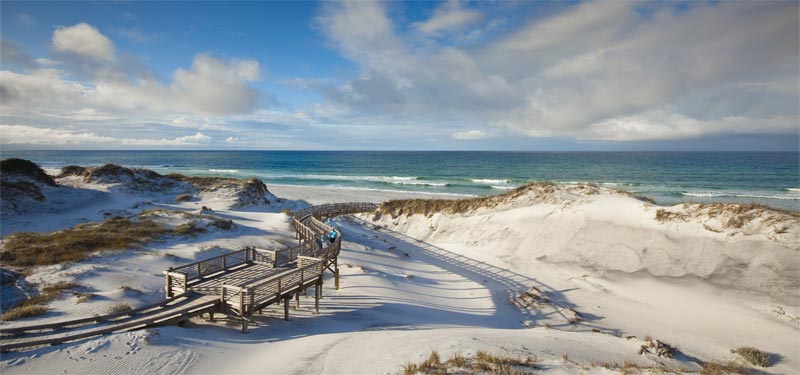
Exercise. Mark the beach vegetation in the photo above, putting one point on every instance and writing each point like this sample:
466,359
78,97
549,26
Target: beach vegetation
72,170
429,207
480,363
201,182
119,308
183,198
26,311
719,368
34,306
27,249
224,224
754,356
189,229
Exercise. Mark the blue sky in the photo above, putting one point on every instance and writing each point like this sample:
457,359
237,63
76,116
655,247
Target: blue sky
392,75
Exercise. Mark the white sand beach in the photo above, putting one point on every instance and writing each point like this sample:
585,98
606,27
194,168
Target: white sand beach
444,282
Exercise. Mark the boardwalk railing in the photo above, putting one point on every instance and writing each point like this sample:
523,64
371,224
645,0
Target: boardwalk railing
178,278
245,300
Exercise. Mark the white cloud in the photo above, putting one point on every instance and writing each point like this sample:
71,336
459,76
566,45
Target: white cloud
661,125
584,72
88,114
83,39
28,135
470,135
450,16
233,140
210,86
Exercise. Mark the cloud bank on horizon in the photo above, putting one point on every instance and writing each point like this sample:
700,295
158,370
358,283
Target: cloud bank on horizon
374,75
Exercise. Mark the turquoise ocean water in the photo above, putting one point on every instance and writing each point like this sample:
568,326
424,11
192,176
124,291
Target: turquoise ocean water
771,178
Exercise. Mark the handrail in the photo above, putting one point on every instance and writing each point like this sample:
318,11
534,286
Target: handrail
99,318
273,287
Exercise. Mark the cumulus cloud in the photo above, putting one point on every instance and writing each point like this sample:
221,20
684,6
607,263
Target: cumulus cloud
210,86
587,72
83,39
470,135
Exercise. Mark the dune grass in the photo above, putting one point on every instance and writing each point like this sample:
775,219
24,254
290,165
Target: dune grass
718,368
27,249
34,306
183,198
119,308
480,363
454,206
754,356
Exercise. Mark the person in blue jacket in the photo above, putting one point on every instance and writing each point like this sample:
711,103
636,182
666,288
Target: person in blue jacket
332,236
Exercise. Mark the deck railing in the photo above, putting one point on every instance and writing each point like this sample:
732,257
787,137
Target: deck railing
178,278
245,299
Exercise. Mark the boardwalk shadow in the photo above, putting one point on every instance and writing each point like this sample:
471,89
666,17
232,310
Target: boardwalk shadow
510,283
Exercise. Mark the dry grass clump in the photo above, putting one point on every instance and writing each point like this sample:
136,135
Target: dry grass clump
183,198
663,215
754,356
119,308
34,305
733,216
454,206
202,182
26,249
717,368
189,229
224,224
480,363
20,312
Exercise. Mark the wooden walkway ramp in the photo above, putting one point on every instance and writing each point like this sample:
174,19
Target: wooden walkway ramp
239,283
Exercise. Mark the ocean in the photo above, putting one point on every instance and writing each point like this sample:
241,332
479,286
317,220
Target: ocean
770,178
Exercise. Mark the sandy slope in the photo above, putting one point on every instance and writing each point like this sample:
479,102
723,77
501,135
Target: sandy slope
400,299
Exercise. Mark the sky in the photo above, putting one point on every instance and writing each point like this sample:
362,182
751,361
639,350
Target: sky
358,75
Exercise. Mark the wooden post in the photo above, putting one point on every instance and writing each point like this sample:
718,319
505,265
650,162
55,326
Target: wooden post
317,294
244,324
336,272
297,300
286,308
167,287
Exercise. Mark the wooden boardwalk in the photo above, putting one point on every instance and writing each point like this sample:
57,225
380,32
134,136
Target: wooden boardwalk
239,283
